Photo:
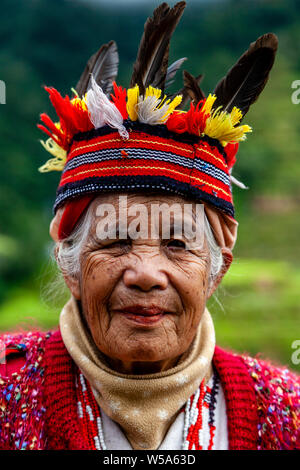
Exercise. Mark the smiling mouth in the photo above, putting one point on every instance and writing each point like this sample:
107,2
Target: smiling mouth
143,315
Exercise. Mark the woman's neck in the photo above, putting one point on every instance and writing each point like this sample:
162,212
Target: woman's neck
140,368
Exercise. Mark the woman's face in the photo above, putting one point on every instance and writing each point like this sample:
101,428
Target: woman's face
143,298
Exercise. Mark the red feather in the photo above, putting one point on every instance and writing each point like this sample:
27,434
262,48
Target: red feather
56,134
193,121
177,123
119,99
73,118
231,151
44,129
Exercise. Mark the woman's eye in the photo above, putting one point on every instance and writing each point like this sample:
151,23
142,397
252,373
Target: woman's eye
176,244
119,244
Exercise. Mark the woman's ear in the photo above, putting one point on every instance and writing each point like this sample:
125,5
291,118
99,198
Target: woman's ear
54,225
227,260
73,285
72,282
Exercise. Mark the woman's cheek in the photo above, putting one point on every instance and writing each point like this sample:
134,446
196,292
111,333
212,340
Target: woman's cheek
98,280
96,272
194,297
193,288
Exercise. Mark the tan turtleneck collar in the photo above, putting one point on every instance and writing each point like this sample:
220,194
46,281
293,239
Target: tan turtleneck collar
143,405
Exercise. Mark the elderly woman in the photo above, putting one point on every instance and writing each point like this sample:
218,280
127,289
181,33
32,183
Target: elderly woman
143,232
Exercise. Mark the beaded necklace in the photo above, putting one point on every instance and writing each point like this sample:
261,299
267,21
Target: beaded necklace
199,420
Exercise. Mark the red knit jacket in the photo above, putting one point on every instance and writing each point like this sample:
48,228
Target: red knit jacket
38,402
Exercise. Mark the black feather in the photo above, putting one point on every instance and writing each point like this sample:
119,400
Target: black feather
191,85
151,64
103,65
191,90
245,81
172,70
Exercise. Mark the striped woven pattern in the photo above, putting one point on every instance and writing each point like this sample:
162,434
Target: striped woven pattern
262,401
152,158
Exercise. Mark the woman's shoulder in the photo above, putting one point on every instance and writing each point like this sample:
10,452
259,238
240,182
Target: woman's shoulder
21,338
276,396
265,373
21,389
19,348
277,390
279,379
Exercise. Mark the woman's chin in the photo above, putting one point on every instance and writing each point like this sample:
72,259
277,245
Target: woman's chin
140,349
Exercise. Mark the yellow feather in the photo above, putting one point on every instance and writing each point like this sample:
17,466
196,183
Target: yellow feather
59,153
81,103
236,115
132,101
222,126
209,103
151,91
174,103
75,92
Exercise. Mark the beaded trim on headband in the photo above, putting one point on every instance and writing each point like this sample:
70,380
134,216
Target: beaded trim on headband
180,156
112,139
197,169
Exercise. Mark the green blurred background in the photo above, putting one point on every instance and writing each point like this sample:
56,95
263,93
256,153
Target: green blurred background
47,42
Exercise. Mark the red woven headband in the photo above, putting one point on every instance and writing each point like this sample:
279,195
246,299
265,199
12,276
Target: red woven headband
140,138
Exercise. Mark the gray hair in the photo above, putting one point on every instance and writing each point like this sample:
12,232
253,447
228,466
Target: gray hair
69,249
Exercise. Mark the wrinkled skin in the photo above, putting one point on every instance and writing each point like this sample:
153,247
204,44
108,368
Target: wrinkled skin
116,274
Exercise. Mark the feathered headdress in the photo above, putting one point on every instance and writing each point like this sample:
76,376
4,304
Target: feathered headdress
108,138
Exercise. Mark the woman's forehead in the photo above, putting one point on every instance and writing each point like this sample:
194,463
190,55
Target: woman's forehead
140,198
162,207
146,216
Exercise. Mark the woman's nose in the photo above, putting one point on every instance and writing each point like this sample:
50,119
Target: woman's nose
145,275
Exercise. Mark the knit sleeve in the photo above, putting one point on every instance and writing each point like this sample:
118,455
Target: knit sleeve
278,402
21,390
12,356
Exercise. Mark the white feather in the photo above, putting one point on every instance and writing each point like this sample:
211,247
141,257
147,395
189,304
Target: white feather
102,111
148,113
238,183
